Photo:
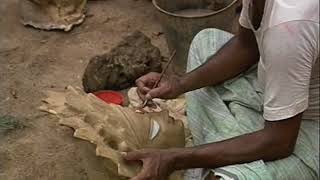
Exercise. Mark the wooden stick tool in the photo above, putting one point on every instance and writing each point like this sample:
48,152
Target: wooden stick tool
161,76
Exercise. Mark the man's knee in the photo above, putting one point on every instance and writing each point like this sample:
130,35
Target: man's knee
205,44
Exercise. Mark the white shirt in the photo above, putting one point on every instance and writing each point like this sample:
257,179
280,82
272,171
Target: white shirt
288,70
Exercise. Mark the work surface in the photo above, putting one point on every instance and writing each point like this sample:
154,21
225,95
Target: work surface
33,61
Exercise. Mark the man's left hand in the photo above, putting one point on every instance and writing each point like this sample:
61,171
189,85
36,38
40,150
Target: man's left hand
157,164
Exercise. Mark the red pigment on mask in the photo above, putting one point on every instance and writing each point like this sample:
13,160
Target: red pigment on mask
112,97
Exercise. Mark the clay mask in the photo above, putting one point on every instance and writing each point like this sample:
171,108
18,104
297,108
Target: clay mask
114,129
52,14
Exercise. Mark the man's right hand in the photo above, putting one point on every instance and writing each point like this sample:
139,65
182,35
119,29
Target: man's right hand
168,87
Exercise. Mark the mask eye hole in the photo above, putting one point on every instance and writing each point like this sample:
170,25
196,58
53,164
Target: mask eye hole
154,129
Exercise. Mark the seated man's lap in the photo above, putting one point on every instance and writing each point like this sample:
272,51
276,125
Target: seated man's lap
205,127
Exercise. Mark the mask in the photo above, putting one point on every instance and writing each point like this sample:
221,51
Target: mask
52,14
113,128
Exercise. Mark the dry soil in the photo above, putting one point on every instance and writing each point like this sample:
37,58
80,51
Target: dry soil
33,61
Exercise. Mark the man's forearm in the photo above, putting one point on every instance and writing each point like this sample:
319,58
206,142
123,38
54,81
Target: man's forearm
237,55
241,149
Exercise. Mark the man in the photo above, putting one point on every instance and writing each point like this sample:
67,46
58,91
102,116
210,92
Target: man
282,36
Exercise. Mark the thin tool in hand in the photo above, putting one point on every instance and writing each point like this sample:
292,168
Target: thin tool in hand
161,75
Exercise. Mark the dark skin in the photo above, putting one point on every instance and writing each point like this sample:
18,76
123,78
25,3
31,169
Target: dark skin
275,141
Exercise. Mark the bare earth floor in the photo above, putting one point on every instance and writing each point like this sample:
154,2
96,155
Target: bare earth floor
33,61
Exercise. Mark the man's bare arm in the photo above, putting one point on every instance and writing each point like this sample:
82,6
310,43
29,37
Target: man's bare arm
236,56
275,141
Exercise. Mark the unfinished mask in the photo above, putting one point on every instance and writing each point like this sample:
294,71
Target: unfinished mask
52,14
114,129
176,107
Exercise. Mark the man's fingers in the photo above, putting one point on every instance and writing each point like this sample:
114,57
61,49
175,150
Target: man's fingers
138,177
148,79
155,93
133,156
143,174
145,85
144,90
140,84
142,96
148,96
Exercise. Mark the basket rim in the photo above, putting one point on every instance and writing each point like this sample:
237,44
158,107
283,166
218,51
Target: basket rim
154,2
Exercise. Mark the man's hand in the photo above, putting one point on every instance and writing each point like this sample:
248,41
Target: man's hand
157,164
168,87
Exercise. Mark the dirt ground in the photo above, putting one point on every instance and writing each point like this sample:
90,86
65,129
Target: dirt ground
33,61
